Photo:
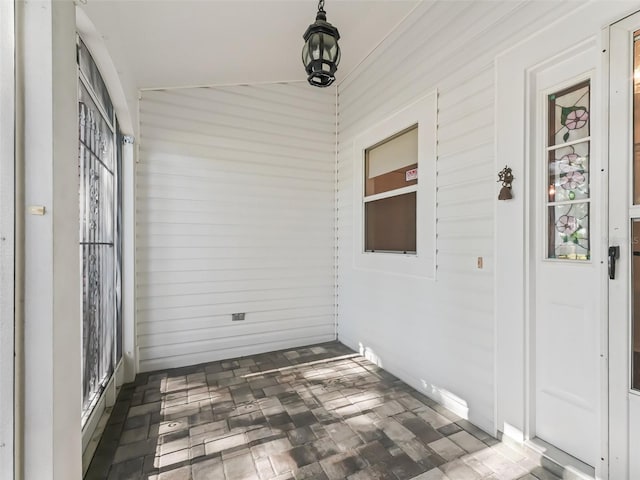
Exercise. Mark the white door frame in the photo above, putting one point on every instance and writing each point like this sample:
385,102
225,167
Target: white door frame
625,403
532,237
7,255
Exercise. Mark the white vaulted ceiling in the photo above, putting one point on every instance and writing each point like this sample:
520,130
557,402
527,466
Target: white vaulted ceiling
168,43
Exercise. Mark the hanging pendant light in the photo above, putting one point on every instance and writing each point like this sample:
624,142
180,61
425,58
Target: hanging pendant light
321,53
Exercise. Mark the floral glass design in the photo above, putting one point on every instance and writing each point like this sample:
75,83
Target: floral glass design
569,111
568,176
569,173
569,231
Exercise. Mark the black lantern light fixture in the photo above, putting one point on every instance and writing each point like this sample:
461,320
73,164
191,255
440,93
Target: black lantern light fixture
321,53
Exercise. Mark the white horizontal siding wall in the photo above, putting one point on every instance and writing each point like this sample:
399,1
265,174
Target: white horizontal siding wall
235,213
438,335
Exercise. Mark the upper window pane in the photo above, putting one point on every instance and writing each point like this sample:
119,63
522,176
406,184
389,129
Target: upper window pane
392,164
569,111
636,118
90,70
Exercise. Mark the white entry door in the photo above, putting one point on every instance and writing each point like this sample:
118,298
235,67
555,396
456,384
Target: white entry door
566,228
624,233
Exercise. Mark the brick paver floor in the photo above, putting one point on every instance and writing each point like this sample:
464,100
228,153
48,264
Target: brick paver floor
321,412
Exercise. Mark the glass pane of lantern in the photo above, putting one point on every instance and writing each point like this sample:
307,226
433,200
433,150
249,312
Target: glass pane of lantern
314,45
568,231
569,111
329,47
305,54
569,173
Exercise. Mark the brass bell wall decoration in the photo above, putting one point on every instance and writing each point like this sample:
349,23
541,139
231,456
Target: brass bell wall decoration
506,177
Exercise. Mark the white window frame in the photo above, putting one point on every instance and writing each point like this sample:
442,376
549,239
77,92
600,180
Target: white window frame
422,113
395,192
7,218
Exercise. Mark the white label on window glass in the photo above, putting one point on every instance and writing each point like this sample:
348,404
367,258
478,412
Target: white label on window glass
411,174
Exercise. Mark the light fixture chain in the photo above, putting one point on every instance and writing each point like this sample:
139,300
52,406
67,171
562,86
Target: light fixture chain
321,5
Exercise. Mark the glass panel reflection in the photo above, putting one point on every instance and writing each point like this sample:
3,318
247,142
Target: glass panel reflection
635,277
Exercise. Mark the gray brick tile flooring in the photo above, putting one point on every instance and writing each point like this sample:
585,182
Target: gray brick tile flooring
312,413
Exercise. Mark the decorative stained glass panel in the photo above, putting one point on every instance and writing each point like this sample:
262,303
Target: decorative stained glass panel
568,191
569,173
569,231
569,111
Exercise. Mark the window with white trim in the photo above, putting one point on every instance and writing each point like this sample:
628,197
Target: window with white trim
394,224
390,184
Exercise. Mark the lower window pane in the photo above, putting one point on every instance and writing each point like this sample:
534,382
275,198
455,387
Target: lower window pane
569,231
635,272
390,224
98,321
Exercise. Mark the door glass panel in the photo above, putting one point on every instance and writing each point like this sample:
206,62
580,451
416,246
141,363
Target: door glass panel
635,276
569,231
569,114
636,117
568,193
569,173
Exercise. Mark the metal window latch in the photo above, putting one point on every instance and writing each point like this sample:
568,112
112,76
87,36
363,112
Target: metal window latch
614,254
